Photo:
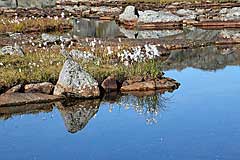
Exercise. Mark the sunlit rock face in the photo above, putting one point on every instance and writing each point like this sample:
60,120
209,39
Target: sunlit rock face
27,3
77,114
74,81
208,58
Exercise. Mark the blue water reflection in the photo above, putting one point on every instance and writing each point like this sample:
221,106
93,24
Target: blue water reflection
200,121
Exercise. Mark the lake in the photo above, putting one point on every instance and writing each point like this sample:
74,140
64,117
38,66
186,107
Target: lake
198,121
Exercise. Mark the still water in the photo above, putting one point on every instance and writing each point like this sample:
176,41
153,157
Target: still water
198,121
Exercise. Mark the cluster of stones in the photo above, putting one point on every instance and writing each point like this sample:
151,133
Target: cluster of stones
149,19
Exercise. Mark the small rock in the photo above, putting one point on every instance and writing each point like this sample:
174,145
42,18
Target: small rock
12,50
75,82
50,38
110,84
45,87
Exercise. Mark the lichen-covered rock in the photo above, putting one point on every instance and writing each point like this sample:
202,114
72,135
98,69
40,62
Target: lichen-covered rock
45,87
187,13
12,50
150,16
75,82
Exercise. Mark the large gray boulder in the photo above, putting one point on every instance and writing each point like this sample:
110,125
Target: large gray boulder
75,82
150,16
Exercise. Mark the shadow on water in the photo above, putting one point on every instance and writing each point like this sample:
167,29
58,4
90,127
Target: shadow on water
77,114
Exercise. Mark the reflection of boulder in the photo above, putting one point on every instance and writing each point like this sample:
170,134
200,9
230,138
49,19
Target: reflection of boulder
93,28
77,114
144,34
208,58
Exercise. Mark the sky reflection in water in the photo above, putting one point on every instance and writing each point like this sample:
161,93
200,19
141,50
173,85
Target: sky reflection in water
201,121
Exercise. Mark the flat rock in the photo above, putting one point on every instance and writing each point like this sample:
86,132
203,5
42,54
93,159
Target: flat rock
16,99
75,82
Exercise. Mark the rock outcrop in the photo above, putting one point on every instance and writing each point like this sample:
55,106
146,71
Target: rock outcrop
75,82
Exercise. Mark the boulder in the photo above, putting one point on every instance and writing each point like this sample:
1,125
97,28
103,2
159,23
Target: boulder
75,82
150,16
12,50
129,16
110,84
45,87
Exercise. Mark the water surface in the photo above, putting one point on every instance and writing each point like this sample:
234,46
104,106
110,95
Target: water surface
198,121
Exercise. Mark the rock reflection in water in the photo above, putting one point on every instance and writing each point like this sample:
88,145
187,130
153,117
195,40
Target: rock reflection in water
28,3
94,28
77,114
207,58
149,105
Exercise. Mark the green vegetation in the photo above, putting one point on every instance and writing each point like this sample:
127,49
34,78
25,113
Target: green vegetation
33,25
42,66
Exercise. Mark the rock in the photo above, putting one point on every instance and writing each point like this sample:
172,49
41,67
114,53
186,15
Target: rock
149,85
186,13
16,99
129,16
150,16
15,89
138,86
230,14
75,82
110,84
45,87
12,50
50,38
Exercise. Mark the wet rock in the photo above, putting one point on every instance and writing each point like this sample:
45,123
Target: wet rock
50,38
77,114
45,87
75,82
110,84
129,16
150,16
15,89
16,99
12,50
149,84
